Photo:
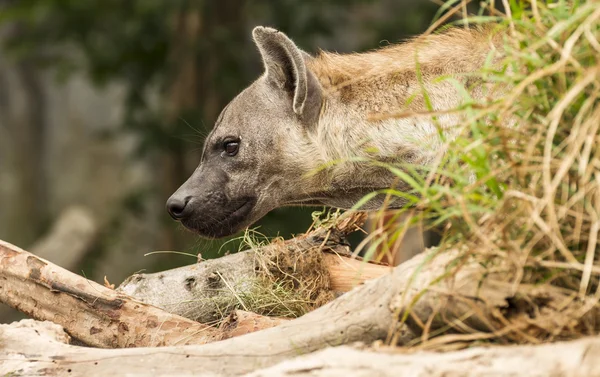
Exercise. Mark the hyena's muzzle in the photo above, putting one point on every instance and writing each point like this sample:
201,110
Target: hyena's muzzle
202,204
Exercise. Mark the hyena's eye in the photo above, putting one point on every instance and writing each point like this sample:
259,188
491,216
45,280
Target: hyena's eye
231,147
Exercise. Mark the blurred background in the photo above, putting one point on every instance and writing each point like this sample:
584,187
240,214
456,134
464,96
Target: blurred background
104,105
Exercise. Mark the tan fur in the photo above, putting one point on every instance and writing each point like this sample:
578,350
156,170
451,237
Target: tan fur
383,79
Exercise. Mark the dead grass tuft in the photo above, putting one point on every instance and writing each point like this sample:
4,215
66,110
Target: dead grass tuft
298,272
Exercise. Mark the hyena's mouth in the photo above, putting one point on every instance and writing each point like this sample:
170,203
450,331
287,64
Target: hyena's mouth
243,209
231,219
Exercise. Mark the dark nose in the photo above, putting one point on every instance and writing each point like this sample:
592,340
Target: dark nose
177,207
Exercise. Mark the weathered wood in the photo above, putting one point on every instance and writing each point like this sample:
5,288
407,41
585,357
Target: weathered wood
32,348
208,291
363,314
92,313
198,291
576,358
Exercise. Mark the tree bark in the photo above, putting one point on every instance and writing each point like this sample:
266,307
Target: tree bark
210,290
94,314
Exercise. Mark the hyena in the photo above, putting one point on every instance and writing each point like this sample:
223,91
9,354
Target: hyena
307,131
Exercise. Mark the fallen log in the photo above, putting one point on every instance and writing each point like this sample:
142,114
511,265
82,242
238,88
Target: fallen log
367,313
283,278
38,348
98,316
208,291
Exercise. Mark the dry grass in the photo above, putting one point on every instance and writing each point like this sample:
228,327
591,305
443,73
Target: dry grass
290,277
519,191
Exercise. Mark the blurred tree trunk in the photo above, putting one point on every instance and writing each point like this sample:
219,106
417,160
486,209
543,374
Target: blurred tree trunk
22,119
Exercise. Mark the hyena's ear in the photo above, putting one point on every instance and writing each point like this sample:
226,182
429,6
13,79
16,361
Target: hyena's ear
286,69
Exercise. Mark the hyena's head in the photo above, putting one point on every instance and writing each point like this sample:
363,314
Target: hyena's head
247,166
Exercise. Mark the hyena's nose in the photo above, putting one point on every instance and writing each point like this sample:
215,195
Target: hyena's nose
177,207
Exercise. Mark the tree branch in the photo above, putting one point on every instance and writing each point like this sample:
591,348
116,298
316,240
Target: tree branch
92,313
208,291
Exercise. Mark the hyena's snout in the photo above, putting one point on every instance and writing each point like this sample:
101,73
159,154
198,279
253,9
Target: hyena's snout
211,213
194,198
178,207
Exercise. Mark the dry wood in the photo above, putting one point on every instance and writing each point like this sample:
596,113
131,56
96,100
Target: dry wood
209,290
92,313
34,348
363,314
576,358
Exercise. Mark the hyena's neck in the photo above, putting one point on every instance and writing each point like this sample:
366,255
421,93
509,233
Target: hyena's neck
362,92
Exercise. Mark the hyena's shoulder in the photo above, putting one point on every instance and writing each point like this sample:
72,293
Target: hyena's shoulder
392,71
